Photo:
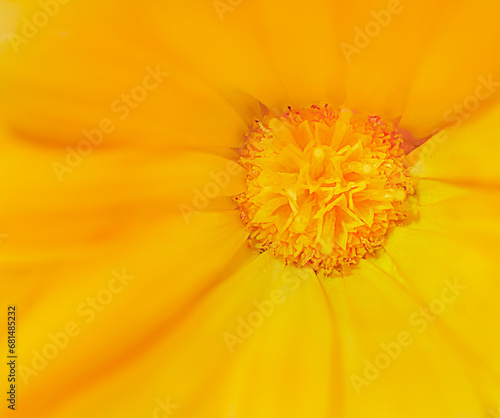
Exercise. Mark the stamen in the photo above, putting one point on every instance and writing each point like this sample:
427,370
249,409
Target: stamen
323,187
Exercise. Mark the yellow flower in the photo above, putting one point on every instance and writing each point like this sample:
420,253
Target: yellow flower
124,251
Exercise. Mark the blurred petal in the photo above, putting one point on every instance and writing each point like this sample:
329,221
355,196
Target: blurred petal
146,288
60,89
456,240
200,371
222,43
457,68
60,203
384,44
299,40
466,154
388,361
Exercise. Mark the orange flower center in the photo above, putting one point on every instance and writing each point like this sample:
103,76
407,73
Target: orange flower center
323,187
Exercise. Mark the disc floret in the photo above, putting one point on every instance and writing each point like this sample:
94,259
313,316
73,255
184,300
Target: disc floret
323,187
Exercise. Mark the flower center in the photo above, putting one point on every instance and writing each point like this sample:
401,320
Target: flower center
323,187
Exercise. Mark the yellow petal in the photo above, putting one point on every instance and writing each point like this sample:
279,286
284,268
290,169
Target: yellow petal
278,368
94,317
223,43
465,154
384,43
388,360
62,202
76,82
457,237
300,43
461,68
